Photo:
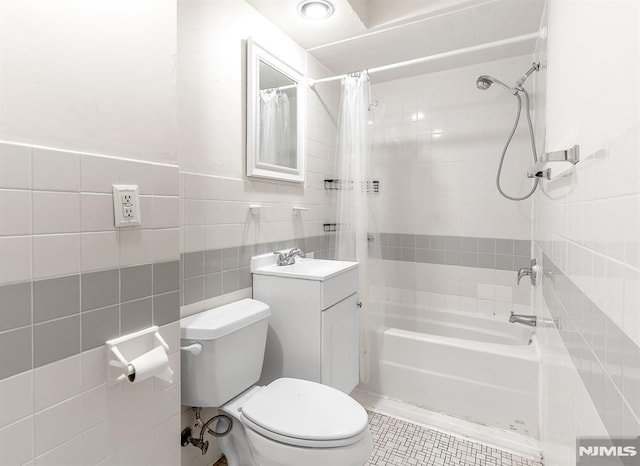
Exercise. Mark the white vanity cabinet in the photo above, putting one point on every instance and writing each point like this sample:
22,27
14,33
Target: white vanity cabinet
313,328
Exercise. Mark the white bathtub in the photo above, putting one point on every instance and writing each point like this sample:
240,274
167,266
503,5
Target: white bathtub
475,367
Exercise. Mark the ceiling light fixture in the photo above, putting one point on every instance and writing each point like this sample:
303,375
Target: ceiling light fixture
315,9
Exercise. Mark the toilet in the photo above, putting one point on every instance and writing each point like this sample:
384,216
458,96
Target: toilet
289,422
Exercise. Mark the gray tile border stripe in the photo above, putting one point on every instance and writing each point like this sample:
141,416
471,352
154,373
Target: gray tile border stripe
166,308
60,330
211,273
213,285
193,290
99,326
224,271
607,360
230,281
216,279
193,263
136,282
56,297
466,251
136,315
230,259
100,289
55,340
213,261
166,277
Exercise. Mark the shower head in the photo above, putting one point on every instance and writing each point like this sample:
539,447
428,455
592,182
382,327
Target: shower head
485,81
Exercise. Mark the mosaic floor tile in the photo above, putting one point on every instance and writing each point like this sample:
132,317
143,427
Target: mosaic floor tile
397,442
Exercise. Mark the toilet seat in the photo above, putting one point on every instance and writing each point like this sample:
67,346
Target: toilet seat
303,413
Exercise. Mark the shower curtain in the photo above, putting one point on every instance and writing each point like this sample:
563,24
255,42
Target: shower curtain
353,211
275,128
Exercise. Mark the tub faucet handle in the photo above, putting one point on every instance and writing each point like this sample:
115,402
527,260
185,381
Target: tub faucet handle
523,273
531,272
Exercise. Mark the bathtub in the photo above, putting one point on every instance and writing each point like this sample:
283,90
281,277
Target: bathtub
475,367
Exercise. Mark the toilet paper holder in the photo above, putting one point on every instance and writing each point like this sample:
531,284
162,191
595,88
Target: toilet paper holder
122,350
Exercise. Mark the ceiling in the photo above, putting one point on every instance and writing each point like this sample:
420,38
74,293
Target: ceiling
363,34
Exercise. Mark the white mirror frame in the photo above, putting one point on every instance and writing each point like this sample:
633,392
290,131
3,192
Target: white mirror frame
255,54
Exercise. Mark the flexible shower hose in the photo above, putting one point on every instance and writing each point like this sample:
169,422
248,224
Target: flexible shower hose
506,146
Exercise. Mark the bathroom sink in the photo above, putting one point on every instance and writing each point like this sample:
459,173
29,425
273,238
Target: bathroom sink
307,269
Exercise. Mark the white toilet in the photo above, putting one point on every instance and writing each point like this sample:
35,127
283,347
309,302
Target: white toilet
290,422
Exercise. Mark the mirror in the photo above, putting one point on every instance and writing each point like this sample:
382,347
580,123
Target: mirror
275,117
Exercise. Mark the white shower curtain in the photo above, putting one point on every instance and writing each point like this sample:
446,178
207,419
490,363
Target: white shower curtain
353,205
275,128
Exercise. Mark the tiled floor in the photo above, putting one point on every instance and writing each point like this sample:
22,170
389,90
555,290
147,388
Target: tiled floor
397,442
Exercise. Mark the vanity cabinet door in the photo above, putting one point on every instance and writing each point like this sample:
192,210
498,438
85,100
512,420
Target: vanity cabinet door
340,345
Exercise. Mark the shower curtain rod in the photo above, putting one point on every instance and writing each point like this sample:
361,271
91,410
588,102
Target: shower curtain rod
437,56
281,88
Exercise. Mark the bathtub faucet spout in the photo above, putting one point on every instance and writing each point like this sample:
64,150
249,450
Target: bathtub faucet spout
531,321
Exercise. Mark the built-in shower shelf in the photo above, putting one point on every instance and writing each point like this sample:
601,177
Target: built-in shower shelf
338,184
543,168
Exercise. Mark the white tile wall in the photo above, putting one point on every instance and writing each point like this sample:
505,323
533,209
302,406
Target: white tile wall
66,374
16,398
97,173
437,142
448,287
132,172
588,223
15,166
15,256
215,210
226,222
97,212
55,170
78,419
16,441
165,244
100,250
63,412
56,255
57,424
15,212
56,211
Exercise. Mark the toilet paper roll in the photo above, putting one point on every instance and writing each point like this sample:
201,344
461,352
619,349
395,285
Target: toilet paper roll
154,363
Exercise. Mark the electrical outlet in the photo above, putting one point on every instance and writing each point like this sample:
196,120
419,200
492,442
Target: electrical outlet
126,205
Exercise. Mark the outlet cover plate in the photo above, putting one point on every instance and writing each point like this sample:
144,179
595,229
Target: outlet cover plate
126,205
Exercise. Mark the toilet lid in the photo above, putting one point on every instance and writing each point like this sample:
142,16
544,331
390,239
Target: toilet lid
303,410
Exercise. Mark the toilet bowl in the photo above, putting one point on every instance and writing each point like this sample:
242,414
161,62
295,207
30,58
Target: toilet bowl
289,422
297,422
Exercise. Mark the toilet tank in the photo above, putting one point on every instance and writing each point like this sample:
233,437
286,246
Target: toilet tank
233,339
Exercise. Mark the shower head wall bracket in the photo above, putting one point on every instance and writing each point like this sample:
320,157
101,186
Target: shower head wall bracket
568,155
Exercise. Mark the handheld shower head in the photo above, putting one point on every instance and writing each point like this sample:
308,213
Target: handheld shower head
485,81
